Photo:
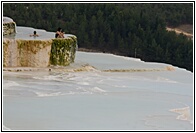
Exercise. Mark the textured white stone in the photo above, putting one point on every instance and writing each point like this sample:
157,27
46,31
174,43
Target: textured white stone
7,20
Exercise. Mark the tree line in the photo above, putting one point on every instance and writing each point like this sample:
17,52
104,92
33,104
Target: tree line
129,29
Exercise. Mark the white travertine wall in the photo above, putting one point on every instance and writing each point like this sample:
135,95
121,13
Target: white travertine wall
38,53
24,53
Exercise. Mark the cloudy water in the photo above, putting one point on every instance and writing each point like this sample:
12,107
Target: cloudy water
25,32
94,99
99,92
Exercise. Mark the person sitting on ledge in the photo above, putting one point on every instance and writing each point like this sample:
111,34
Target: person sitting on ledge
34,34
59,33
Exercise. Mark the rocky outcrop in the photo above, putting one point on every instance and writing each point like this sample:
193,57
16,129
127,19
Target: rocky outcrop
63,51
9,26
38,53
